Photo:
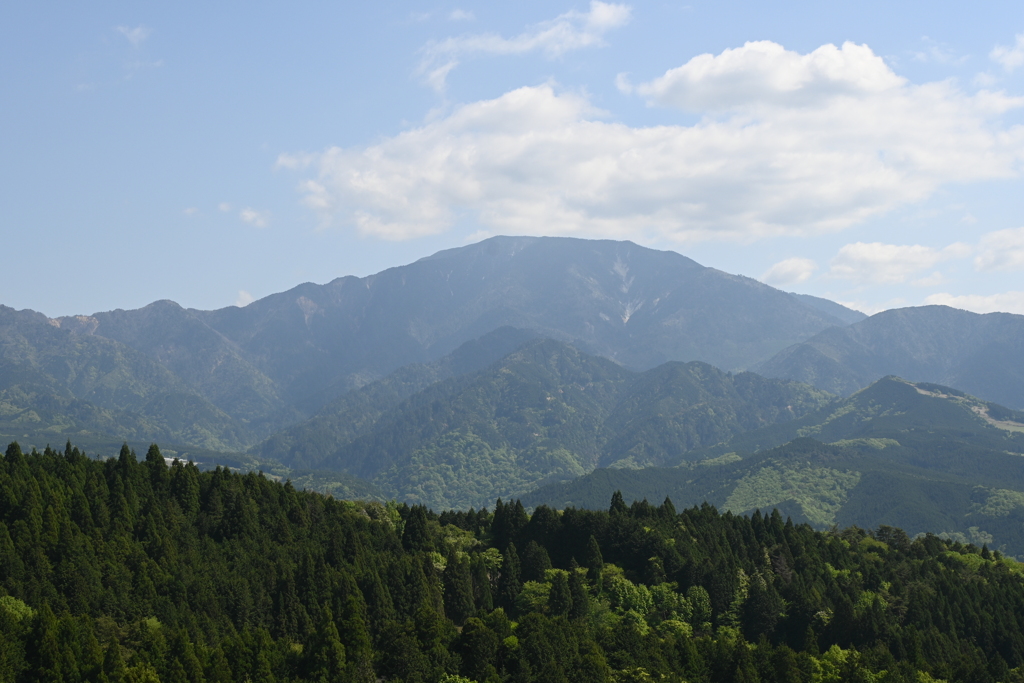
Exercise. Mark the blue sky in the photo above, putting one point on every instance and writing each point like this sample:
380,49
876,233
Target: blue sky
214,153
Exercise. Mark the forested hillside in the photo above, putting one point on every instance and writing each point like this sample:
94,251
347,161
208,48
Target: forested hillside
121,570
544,412
228,379
919,456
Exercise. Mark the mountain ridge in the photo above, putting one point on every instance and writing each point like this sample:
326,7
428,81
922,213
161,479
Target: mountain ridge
982,354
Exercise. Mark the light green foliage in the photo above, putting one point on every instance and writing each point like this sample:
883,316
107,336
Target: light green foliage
491,559
877,444
999,503
461,470
820,491
844,409
721,460
700,603
670,604
830,664
975,535
628,596
459,540
16,608
453,678
676,628
533,597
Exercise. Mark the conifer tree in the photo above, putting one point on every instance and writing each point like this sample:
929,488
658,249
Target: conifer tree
510,581
560,597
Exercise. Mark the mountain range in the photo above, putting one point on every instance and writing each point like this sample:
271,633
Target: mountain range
541,367
229,378
544,412
980,354
918,456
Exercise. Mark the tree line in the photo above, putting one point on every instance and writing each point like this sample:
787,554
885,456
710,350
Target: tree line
129,569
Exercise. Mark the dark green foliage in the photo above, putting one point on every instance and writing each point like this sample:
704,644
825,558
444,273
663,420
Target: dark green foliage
544,412
920,457
117,571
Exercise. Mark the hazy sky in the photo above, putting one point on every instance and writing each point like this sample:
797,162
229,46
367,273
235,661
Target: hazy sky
212,153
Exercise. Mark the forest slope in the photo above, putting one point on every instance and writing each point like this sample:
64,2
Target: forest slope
919,456
545,412
121,570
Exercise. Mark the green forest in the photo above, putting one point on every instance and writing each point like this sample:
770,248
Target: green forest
127,569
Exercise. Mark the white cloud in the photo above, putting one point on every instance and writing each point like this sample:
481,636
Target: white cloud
789,145
244,298
1007,302
224,206
136,36
791,271
461,15
190,211
570,31
1009,57
253,217
765,73
877,263
1001,250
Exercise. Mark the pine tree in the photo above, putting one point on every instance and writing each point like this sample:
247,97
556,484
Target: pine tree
594,563
560,597
510,581
578,592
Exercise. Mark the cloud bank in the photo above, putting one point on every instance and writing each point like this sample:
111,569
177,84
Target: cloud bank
1001,250
877,263
1010,58
789,144
1007,302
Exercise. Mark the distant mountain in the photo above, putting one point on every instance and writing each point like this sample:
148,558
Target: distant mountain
980,354
919,456
545,412
638,306
240,375
847,315
311,443
56,385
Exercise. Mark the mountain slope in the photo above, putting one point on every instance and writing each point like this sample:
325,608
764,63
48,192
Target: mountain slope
308,444
55,384
638,306
980,354
198,356
284,357
545,412
919,456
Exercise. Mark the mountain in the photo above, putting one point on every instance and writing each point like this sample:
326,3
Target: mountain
980,354
846,315
311,443
56,384
241,375
638,306
918,456
545,412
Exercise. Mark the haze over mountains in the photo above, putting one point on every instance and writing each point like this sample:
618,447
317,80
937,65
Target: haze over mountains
517,362
979,354
283,357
